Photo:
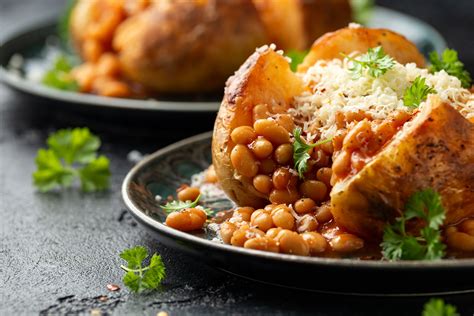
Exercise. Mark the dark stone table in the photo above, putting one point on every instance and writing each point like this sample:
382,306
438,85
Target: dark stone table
59,251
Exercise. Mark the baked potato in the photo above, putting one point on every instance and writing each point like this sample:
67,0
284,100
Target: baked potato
254,132
189,46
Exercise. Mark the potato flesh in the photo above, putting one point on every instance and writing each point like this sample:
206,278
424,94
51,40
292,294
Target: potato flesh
436,150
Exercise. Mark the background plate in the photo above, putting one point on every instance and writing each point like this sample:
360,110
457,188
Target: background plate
29,43
162,172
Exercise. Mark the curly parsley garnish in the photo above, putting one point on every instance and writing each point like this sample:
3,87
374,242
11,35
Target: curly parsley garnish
417,93
375,62
450,63
300,151
141,278
177,205
397,244
72,154
437,307
59,76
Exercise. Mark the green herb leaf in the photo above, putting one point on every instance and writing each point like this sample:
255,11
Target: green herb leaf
177,205
139,278
375,62
437,307
56,166
397,244
59,76
63,23
95,175
297,57
300,151
417,92
450,63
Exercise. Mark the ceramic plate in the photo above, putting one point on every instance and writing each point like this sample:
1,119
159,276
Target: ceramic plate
162,172
29,43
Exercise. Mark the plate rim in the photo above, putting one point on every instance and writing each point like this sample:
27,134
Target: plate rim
161,228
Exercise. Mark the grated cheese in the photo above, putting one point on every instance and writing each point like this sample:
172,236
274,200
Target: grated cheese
332,90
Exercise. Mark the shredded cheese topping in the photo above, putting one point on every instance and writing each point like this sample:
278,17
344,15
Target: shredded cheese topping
332,89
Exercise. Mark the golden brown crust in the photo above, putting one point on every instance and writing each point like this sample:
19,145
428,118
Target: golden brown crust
436,151
188,46
347,40
265,78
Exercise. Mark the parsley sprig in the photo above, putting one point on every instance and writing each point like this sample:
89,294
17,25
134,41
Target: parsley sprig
375,62
177,205
139,278
417,92
300,151
59,76
450,63
437,307
397,244
72,154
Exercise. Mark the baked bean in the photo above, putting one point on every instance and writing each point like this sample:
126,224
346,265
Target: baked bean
338,139
320,158
323,213
292,243
316,242
273,232
227,229
243,213
186,220
307,223
355,116
467,226
188,194
84,76
108,65
263,183
314,189
271,131
358,135
384,132
262,148
304,205
281,178
278,207
461,241
284,154
346,243
243,161
113,88
262,243
243,234
283,219
270,207
285,121
260,111
210,176
283,196
243,135
267,166
328,148
324,175
341,165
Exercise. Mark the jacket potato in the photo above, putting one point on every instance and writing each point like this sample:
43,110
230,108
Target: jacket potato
193,46
408,150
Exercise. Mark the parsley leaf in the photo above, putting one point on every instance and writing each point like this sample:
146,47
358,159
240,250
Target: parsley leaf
58,165
59,76
177,205
300,151
397,244
417,92
450,63
139,278
375,62
297,57
437,307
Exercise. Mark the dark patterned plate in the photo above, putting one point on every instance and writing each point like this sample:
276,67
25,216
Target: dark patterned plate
162,172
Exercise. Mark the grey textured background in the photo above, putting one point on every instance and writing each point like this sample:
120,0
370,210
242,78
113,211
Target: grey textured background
59,251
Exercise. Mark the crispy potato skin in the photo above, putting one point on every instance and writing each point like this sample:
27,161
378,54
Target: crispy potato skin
187,46
435,151
348,40
264,78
